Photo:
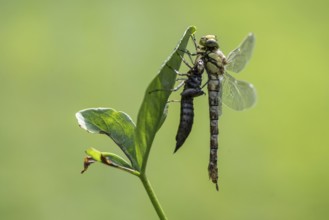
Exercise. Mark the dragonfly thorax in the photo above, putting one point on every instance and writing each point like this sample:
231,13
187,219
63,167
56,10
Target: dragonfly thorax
215,61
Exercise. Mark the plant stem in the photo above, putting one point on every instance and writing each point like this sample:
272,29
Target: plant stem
152,197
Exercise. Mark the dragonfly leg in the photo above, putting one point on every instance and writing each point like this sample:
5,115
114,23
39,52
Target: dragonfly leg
171,90
188,52
170,101
178,87
205,84
183,59
181,79
176,71
186,63
194,42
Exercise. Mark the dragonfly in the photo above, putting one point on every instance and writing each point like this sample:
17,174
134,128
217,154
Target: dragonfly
223,87
192,89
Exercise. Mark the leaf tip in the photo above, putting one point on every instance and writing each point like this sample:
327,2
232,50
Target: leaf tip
192,29
81,120
92,152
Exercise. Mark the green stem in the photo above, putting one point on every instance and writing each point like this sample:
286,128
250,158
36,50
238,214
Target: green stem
152,197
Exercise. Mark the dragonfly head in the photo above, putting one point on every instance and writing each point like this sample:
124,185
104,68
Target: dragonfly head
209,41
200,66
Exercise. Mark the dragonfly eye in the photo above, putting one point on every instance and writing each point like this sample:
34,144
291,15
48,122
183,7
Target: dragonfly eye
209,41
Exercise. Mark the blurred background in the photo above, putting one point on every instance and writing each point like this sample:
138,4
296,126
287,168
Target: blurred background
58,57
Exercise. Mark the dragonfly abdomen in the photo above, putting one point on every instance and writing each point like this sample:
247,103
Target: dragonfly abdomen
191,90
186,121
214,105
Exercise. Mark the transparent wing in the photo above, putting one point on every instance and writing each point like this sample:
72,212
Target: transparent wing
236,94
238,58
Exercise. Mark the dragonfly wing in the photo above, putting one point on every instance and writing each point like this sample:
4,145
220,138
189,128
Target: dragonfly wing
236,94
238,58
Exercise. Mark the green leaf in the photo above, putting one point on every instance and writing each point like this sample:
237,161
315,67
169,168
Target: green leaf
109,159
164,115
151,113
117,125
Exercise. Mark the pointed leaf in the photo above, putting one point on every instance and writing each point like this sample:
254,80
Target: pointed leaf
117,125
151,113
109,159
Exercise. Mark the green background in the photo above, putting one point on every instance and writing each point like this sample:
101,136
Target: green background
58,57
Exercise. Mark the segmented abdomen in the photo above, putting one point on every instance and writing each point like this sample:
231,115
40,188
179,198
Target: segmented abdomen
191,90
186,121
214,86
